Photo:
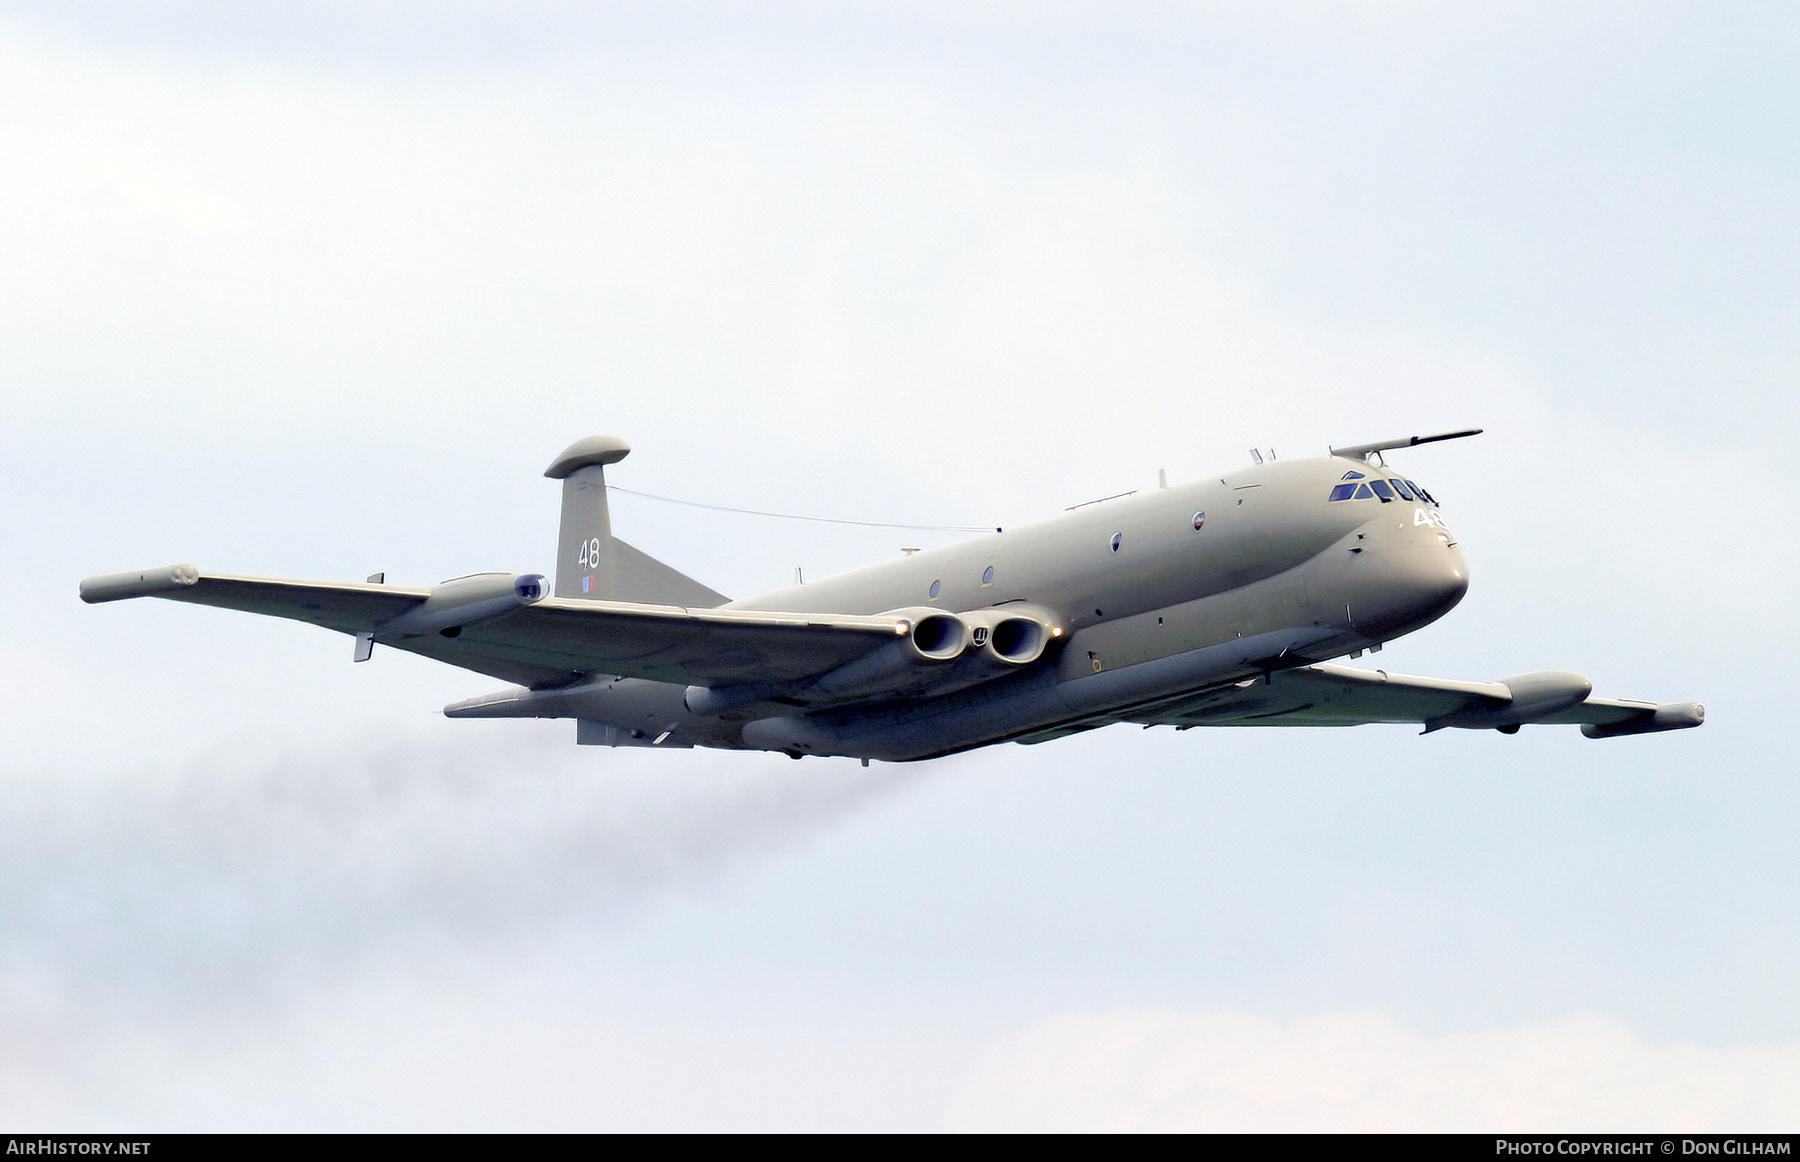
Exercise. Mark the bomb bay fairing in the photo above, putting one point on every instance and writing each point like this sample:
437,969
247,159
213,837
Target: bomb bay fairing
1215,603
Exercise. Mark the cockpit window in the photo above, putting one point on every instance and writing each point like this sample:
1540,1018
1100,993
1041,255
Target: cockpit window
1386,488
1349,491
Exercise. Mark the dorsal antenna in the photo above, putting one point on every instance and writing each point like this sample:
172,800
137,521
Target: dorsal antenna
1364,451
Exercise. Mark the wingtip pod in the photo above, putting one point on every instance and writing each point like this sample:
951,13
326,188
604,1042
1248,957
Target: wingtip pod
142,583
1669,716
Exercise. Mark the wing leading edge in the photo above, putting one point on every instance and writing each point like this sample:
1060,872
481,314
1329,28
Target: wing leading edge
549,642
1331,695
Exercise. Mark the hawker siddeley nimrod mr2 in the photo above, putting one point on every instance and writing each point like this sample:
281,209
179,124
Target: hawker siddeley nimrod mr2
1215,603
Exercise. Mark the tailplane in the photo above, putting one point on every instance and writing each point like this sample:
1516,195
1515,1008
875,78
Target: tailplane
590,561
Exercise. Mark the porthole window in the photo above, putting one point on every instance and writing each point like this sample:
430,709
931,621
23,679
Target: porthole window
937,587
987,577
1199,519
1117,538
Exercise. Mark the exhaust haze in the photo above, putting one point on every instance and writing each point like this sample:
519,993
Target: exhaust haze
252,883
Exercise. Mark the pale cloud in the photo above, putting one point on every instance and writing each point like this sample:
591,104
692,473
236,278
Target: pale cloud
91,189
1168,1070
863,257
92,151
320,319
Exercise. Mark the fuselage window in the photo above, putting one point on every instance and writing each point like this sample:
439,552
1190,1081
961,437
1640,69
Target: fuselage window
937,587
1343,492
1362,493
1351,476
1382,490
987,578
1423,495
1400,487
1117,538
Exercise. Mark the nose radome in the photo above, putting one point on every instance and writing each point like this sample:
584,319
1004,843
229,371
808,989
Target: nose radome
1408,588
1453,580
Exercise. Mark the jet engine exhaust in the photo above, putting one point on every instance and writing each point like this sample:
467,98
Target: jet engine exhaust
1014,635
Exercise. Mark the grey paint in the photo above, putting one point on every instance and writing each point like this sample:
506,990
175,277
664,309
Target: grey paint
590,561
1209,603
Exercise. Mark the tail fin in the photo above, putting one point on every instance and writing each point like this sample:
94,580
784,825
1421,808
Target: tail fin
590,561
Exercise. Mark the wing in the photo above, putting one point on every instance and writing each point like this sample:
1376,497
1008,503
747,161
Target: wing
1328,695
550,643
563,640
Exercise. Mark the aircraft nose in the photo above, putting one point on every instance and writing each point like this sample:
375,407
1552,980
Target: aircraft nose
1441,580
1409,587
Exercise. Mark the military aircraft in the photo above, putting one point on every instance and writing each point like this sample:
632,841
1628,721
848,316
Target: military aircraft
1215,603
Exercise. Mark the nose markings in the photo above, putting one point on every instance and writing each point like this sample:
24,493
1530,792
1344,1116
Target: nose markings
1429,517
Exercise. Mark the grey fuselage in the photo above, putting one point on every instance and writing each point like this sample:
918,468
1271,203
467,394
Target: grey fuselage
1149,602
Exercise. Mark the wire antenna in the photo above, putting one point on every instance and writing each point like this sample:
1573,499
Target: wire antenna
868,524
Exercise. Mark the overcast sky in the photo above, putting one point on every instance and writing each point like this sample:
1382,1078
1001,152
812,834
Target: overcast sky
319,290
